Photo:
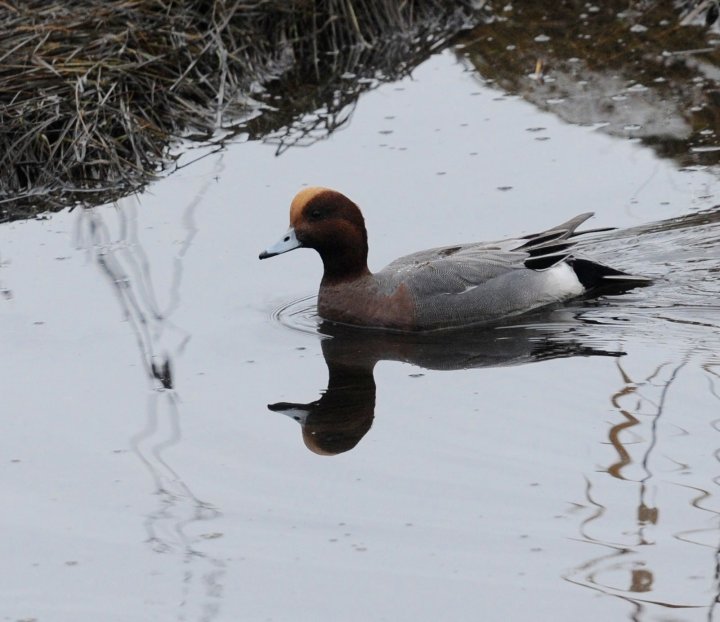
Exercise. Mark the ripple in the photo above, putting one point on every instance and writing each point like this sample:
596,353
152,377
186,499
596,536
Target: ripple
300,314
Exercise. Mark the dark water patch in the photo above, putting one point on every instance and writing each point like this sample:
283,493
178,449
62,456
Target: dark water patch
645,71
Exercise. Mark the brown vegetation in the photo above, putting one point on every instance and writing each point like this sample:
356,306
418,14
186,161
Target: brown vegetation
92,92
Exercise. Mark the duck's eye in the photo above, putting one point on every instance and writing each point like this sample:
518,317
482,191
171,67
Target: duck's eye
316,214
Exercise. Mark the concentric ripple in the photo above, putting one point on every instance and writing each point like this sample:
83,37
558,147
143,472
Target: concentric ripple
300,314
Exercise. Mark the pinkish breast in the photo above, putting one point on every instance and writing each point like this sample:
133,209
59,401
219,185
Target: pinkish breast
361,302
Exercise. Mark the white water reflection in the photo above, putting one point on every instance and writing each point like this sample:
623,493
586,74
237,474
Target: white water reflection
588,481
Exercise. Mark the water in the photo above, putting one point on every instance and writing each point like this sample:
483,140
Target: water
562,467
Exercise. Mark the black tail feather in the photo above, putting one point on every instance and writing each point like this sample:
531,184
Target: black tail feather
596,276
551,247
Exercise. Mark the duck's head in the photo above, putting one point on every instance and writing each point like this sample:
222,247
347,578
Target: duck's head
333,225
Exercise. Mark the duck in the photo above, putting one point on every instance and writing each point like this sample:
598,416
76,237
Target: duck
439,288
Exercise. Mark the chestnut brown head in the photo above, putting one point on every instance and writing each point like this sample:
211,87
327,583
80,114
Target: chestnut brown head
333,225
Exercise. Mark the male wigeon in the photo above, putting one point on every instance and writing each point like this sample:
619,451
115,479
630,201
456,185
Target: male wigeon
452,286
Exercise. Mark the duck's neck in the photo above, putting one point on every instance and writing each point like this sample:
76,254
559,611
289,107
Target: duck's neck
335,272
346,262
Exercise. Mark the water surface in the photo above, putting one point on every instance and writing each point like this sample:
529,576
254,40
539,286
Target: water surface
563,467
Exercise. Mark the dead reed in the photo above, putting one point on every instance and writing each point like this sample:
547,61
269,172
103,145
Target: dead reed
92,92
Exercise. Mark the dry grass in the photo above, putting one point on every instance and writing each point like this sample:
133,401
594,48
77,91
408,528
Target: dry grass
93,92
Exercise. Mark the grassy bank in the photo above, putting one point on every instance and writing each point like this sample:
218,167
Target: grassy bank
92,93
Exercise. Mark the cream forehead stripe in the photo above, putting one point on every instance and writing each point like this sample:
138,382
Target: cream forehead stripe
301,199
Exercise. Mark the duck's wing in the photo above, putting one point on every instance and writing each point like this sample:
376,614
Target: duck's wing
547,248
452,269
485,281
443,253
475,285
552,240
488,259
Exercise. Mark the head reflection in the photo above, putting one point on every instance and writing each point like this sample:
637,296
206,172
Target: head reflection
337,421
344,413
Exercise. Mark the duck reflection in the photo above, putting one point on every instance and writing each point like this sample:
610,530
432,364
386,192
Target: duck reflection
337,421
343,415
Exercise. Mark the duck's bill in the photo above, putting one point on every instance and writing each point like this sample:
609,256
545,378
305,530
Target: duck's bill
286,243
298,412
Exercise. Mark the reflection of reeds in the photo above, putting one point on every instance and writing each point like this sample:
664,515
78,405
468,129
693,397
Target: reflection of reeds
92,92
172,525
631,388
625,557
638,69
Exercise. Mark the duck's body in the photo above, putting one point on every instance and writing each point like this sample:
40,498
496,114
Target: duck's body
441,287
